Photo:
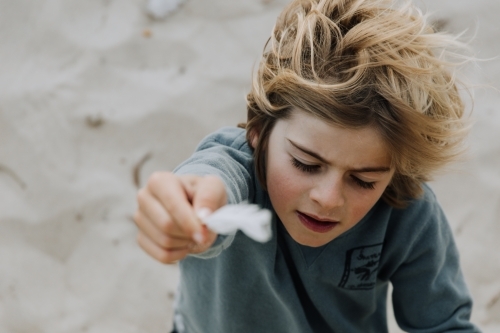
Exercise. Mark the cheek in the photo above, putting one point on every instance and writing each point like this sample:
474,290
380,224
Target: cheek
283,186
279,186
361,204
359,210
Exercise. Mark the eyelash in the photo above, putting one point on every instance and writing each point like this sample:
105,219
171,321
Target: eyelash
314,168
304,167
363,184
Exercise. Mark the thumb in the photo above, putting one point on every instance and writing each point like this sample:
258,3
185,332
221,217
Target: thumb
209,196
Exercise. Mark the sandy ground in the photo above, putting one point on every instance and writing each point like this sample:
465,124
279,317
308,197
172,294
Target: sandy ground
95,96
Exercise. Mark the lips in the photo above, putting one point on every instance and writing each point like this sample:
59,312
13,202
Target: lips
316,225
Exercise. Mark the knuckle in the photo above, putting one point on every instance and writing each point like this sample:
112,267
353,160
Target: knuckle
141,240
167,257
173,209
213,193
158,177
212,179
141,196
155,177
191,179
166,226
165,242
164,257
137,217
216,183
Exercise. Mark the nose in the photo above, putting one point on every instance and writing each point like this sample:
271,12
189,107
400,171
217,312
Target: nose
328,194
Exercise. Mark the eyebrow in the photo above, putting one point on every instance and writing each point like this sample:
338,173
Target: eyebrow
322,160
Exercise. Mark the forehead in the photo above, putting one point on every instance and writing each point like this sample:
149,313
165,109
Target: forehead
347,147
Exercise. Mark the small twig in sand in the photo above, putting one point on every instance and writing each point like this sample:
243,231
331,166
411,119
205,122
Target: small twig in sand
136,173
94,121
13,175
493,301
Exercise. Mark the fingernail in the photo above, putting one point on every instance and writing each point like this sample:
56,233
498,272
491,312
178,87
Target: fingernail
198,237
203,213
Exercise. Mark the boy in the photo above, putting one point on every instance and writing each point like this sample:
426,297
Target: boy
350,112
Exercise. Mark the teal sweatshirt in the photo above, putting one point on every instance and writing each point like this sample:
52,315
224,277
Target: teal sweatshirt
240,286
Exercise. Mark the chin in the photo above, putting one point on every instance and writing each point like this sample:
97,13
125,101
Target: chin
311,241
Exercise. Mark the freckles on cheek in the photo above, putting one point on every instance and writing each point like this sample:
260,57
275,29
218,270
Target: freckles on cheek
277,182
281,186
358,213
362,206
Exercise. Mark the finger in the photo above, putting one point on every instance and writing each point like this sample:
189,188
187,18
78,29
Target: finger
160,254
210,194
164,240
153,218
171,193
209,237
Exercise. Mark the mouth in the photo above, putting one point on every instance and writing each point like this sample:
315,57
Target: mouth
316,225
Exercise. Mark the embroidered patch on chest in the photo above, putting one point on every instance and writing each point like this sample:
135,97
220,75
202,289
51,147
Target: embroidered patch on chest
361,266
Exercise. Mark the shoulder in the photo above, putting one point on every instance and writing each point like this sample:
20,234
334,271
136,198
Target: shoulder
232,137
419,214
419,227
420,209
422,263
401,228
423,215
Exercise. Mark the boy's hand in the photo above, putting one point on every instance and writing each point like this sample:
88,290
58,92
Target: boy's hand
167,216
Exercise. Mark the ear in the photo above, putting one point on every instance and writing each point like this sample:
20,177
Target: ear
254,138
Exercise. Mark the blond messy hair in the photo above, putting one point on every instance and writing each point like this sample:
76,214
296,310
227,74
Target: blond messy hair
357,63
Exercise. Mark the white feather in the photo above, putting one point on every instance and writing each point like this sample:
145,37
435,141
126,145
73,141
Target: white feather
251,219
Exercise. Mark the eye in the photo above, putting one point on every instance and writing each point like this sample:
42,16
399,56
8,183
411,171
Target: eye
304,167
363,184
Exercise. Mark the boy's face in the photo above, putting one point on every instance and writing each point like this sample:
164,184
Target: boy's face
323,179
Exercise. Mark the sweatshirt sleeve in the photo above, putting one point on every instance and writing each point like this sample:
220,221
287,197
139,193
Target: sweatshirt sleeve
430,294
227,155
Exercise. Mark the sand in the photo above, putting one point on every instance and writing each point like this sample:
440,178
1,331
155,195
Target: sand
95,95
